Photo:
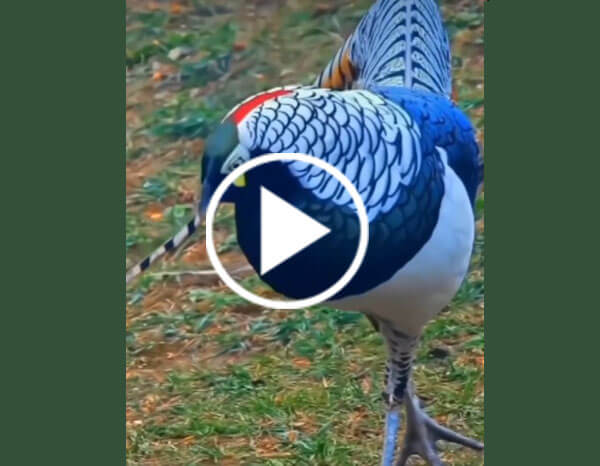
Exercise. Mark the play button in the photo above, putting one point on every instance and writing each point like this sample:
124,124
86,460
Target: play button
284,230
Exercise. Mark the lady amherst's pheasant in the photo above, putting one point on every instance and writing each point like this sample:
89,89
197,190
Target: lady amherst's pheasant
380,112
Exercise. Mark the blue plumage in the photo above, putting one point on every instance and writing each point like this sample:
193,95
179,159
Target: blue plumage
444,125
398,229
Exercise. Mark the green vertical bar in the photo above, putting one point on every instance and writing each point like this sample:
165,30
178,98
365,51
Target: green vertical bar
63,313
538,174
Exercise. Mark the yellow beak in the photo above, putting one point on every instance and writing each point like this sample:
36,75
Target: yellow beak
240,182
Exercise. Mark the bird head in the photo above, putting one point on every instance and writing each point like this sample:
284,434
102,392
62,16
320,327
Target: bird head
224,151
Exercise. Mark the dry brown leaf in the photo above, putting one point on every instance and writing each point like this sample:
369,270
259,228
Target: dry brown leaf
196,253
302,363
276,454
189,440
305,423
240,46
366,385
149,403
292,436
267,446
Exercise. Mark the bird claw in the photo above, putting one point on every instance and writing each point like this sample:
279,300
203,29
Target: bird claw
422,432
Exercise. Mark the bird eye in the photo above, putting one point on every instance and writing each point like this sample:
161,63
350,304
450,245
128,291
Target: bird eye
236,163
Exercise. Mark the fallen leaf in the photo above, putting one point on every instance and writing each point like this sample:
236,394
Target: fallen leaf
240,46
366,385
305,423
292,436
267,446
189,440
176,8
196,253
158,76
149,403
275,454
155,213
302,363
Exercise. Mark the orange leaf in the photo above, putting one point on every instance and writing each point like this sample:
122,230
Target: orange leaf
155,213
195,253
302,363
158,76
189,440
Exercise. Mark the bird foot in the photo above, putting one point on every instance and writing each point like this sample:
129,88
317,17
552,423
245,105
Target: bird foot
422,432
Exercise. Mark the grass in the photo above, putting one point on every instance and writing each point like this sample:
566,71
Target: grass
212,379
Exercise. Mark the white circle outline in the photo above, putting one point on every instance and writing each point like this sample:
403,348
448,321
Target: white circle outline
300,303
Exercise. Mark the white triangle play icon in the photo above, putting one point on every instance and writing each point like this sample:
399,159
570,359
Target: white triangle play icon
284,230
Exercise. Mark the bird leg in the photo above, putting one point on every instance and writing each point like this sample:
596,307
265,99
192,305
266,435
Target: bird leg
401,348
422,432
392,425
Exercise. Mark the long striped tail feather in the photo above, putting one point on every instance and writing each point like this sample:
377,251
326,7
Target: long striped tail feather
172,244
397,43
